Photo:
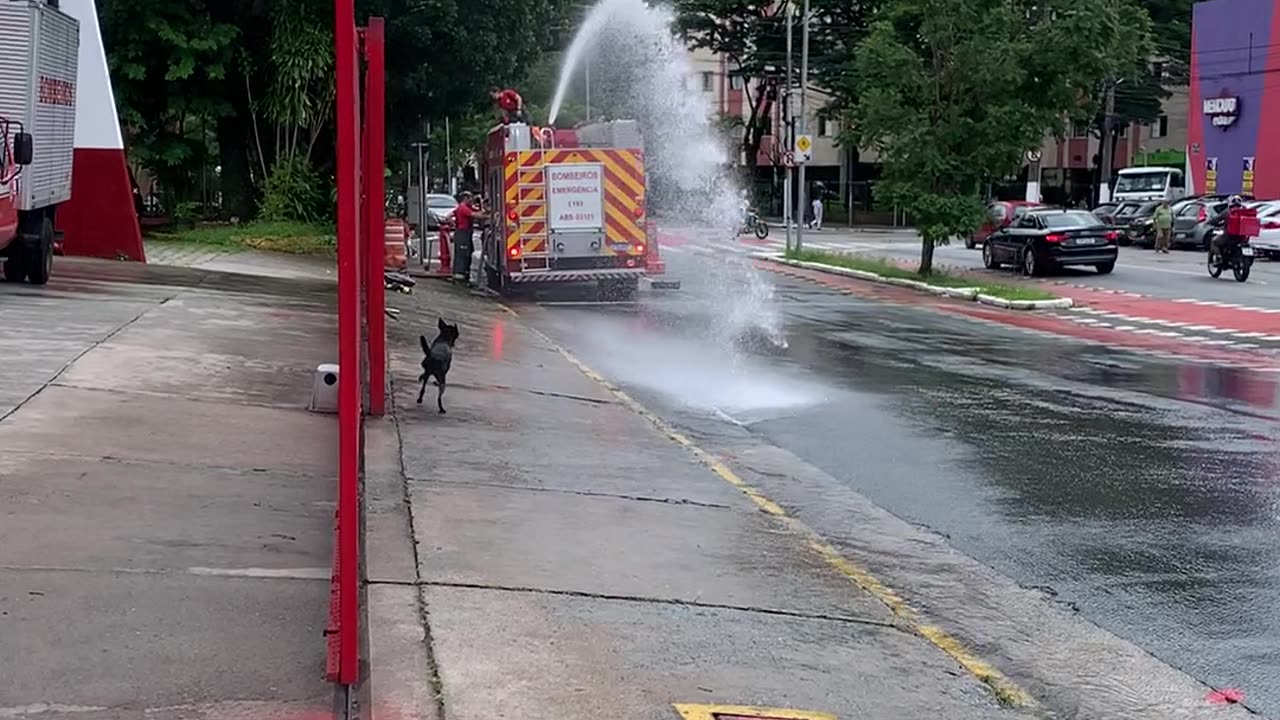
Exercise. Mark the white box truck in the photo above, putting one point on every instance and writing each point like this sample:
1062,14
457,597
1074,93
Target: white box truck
38,69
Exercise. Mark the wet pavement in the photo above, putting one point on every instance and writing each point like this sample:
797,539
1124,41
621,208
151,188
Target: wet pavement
572,560
166,500
1134,491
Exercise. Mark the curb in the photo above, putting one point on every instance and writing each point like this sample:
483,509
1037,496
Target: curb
973,294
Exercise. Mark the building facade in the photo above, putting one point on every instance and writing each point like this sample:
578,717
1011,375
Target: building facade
1234,113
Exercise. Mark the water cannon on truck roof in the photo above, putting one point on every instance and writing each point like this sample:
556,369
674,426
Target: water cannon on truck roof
38,74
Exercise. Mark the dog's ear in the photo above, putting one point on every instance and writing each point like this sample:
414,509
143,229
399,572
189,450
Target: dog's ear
441,324
426,346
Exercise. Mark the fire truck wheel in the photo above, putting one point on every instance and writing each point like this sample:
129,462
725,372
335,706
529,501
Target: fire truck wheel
40,256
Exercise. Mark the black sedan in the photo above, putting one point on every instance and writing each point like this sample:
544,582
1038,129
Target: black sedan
1136,224
1044,240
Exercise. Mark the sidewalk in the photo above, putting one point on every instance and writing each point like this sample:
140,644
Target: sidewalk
573,561
166,531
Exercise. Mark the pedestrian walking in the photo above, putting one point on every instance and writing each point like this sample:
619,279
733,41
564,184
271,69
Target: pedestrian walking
1163,222
464,220
817,214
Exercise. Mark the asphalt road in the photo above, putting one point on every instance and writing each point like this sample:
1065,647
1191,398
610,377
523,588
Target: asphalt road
1180,274
1136,489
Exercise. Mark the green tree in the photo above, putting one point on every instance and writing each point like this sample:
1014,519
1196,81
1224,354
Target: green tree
164,58
199,80
1138,87
752,36
952,92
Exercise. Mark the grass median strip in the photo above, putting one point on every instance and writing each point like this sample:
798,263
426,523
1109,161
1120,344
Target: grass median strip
886,269
285,237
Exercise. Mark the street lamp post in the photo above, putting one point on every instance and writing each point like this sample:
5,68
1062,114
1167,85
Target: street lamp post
788,138
804,115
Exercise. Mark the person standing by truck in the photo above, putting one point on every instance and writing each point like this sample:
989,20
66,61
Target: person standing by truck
464,219
1163,222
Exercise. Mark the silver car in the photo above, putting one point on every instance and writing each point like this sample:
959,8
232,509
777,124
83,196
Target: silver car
1193,223
440,208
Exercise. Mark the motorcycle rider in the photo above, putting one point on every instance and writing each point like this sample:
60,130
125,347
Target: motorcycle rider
1222,242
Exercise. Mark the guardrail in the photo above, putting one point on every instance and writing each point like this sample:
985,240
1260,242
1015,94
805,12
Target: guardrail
361,299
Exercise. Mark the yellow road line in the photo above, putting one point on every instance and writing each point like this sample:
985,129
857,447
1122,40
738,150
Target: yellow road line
1006,691
709,712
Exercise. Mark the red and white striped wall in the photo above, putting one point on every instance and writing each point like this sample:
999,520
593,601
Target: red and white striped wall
100,220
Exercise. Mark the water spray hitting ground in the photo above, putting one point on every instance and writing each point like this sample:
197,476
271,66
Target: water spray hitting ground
691,179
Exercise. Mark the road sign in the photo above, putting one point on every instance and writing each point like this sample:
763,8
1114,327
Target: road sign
1034,155
804,148
789,158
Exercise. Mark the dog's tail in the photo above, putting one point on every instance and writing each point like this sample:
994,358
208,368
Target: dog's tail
426,346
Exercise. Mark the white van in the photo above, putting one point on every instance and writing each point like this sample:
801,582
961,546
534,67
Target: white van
1149,183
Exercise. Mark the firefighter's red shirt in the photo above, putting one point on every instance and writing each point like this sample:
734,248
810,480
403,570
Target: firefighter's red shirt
464,216
509,100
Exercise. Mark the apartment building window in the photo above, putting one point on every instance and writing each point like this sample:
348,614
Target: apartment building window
736,82
708,82
828,128
1160,128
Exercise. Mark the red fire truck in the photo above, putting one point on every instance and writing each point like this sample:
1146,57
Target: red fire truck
568,206
38,73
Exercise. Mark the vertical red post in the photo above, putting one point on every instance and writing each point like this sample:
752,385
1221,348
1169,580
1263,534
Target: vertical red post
375,209
349,378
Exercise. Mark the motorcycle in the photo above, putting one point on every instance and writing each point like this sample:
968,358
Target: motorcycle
751,223
1238,257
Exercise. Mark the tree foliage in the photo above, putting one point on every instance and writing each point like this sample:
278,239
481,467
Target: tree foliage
248,84
164,58
1162,30
951,92
752,36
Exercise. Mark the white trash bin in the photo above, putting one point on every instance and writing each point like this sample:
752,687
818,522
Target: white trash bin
324,389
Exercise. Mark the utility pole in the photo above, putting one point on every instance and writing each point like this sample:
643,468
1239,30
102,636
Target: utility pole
587,72
448,159
424,241
804,116
1109,110
788,139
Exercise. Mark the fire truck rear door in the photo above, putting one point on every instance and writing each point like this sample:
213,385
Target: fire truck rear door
575,209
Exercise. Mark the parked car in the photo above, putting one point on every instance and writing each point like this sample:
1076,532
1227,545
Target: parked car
1000,214
1106,211
1136,224
1267,244
1043,240
1193,223
440,208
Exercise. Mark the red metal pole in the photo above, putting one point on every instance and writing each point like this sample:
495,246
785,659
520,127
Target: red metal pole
348,226
375,210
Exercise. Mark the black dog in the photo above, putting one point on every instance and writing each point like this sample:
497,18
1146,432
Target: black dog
438,356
